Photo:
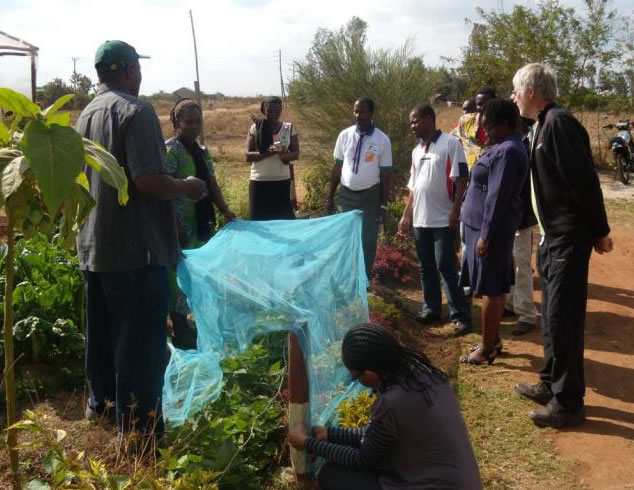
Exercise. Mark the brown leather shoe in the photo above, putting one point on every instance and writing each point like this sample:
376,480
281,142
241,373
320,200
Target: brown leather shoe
539,393
554,415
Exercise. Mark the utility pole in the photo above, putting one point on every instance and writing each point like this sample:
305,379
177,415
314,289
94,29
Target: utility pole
197,82
75,74
279,58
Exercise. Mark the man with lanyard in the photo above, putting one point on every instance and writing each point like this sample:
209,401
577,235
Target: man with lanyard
569,206
124,251
363,164
437,183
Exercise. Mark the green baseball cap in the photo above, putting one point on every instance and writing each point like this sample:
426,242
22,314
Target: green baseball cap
114,55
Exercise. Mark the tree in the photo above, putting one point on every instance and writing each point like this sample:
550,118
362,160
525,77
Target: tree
52,91
339,68
572,44
41,165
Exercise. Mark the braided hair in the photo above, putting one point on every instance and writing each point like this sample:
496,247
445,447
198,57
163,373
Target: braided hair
180,107
371,347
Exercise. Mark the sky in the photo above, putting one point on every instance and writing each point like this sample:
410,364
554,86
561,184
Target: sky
237,40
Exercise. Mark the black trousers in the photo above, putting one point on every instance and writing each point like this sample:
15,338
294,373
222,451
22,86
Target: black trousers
270,199
335,477
563,270
126,335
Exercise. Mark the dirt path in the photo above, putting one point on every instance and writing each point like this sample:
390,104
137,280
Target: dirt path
603,446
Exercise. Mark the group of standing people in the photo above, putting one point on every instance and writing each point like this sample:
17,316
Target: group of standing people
482,179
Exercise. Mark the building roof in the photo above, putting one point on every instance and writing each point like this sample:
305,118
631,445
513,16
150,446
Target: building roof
12,46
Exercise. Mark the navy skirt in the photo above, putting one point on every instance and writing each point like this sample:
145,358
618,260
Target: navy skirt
494,274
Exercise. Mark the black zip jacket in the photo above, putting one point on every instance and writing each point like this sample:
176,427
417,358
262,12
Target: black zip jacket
567,190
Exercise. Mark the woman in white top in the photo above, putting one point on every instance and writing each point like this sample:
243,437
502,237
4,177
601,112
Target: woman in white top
271,145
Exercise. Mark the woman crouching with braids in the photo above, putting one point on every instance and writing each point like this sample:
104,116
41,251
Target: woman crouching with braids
271,145
416,438
195,220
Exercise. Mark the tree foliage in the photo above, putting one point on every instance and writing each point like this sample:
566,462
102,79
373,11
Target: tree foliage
340,67
577,44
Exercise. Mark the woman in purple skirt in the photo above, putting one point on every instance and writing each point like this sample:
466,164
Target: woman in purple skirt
491,213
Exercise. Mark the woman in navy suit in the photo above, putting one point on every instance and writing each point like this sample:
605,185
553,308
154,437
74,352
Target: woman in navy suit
491,213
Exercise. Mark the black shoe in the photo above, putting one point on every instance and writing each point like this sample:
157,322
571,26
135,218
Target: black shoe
553,415
425,317
508,313
539,393
462,328
522,327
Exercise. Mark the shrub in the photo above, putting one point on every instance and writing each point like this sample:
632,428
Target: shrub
391,264
316,180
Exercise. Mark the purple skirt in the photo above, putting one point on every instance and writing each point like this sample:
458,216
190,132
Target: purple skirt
494,274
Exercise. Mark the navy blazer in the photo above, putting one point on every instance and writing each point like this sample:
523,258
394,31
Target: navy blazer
493,201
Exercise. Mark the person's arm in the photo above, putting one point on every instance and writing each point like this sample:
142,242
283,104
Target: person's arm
164,187
404,225
385,174
292,153
454,214
503,175
573,159
459,173
373,450
218,199
146,159
253,155
346,437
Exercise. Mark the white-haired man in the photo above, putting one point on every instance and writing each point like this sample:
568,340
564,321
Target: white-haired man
569,206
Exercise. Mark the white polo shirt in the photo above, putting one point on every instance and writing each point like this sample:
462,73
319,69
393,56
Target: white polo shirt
375,152
434,168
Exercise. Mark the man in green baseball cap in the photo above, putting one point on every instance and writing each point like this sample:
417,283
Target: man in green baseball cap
115,55
125,251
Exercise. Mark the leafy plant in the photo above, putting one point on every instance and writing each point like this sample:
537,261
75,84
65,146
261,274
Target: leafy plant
41,162
383,313
355,412
316,178
391,265
47,302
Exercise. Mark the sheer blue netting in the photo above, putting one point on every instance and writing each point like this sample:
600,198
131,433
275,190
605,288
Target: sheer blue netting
253,278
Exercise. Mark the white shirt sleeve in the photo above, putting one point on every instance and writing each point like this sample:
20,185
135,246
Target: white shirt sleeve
339,152
385,157
411,183
458,159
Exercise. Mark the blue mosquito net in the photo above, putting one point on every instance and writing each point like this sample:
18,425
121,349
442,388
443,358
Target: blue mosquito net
257,277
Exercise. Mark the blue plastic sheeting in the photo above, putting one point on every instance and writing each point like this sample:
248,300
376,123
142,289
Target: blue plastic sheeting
253,278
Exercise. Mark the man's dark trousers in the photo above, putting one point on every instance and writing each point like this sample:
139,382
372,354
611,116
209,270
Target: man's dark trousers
563,270
126,338
435,250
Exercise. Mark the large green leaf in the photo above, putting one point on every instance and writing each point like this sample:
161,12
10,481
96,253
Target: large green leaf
109,169
76,207
12,177
5,137
18,103
56,155
61,118
57,105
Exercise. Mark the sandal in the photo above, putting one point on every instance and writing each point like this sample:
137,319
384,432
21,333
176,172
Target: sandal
472,358
497,348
